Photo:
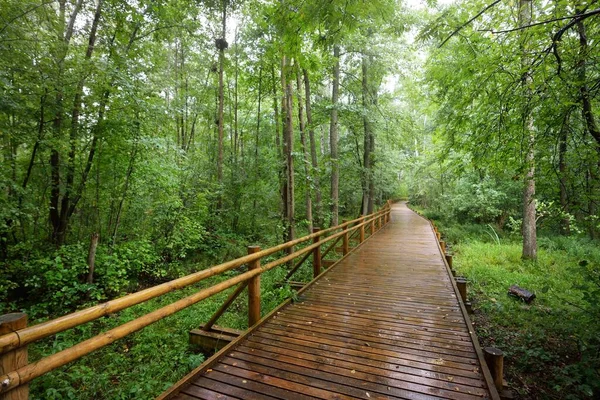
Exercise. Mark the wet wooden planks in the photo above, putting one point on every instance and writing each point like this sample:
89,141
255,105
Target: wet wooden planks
384,323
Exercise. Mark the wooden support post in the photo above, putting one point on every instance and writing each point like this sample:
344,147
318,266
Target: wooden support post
316,255
381,221
372,226
16,358
443,246
494,358
461,283
345,248
438,235
449,260
361,238
253,290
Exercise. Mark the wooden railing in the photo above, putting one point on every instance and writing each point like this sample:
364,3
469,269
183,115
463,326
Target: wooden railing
16,373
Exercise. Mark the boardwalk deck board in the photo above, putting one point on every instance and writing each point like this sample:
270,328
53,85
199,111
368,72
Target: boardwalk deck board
384,323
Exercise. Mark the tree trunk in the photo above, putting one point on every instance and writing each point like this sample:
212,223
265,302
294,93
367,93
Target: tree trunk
288,147
61,209
92,257
562,172
318,217
307,161
256,144
222,44
333,137
280,161
529,213
366,172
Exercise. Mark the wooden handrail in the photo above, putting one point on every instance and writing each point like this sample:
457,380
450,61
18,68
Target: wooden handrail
36,332
24,336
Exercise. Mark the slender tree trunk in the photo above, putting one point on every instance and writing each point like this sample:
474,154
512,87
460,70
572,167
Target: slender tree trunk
307,161
222,44
318,217
333,137
529,213
562,172
288,147
371,205
281,162
92,257
257,174
366,171
128,175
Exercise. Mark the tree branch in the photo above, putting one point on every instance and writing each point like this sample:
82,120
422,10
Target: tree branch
576,16
468,22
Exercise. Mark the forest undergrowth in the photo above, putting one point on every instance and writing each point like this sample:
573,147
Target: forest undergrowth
552,345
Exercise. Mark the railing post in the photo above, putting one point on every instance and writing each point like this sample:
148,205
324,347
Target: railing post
381,220
345,239
449,260
461,283
494,358
362,230
14,359
316,255
443,246
253,290
372,226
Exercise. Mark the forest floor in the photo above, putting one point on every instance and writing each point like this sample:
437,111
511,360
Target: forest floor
552,345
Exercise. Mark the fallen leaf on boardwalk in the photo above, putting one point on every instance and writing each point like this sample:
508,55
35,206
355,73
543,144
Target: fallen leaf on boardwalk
450,378
234,364
309,322
389,388
244,381
353,372
475,369
209,370
368,395
367,344
439,361
457,388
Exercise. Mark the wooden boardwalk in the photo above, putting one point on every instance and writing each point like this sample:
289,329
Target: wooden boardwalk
383,323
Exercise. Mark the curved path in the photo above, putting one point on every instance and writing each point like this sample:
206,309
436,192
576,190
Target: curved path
383,323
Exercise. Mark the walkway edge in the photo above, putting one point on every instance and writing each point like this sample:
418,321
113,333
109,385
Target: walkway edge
484,368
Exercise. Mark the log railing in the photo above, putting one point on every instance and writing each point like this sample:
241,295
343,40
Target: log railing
15,372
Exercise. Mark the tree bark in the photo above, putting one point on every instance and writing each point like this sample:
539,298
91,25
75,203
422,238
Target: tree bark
307,161
288,147
529,230
92,257
318,216
256,143
366,171
562,172
333,137
221,120
281,162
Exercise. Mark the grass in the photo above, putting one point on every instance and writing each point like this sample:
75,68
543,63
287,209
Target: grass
552,345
